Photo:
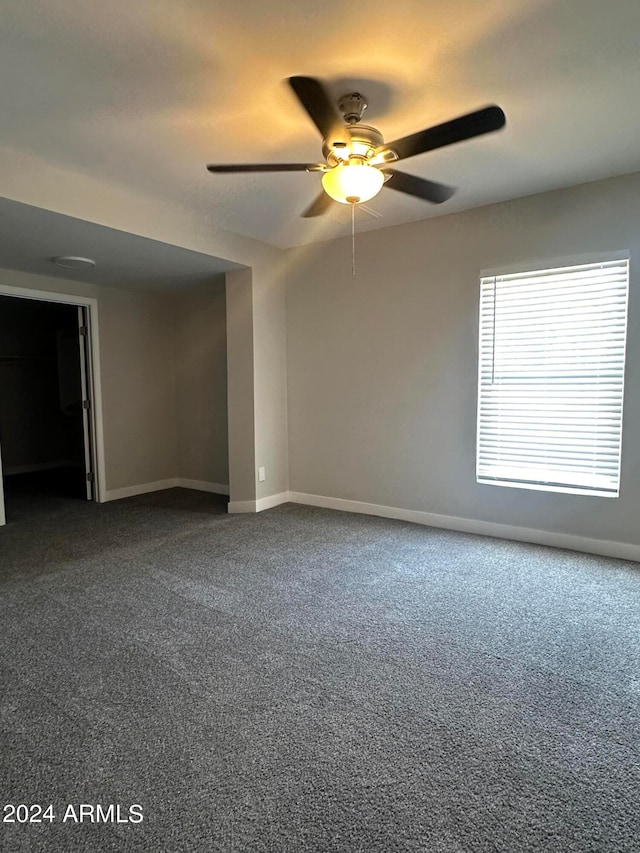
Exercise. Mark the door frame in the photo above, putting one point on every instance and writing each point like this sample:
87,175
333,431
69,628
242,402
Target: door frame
94,376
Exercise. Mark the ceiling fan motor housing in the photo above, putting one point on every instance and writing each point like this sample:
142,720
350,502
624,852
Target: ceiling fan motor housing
363,142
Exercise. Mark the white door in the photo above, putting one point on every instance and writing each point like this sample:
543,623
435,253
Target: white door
87,401
3,519
74,384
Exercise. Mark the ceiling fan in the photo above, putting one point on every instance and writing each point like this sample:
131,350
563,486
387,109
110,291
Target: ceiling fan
357,159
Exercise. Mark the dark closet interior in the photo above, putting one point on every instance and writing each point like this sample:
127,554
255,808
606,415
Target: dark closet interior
41,416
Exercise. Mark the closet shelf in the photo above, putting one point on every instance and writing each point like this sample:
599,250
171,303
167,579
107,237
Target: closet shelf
27,358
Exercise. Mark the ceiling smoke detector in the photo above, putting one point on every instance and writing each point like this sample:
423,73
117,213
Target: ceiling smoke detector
73,262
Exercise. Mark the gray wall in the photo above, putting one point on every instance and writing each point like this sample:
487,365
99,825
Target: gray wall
270,379
137,353
201,383
382,368
257,368
240,360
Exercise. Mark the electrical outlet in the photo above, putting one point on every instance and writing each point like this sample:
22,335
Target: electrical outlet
262,476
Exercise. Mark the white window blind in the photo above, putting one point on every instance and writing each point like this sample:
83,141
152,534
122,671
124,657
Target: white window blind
551,378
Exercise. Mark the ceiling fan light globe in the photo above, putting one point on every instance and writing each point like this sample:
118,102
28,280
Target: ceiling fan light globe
352,183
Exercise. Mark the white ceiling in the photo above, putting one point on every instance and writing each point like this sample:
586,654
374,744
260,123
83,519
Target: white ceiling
31,237
143,94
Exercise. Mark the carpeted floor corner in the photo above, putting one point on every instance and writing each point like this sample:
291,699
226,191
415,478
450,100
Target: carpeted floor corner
308,681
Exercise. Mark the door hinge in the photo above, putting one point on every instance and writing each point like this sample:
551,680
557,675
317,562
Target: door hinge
86,404
83,330
89,477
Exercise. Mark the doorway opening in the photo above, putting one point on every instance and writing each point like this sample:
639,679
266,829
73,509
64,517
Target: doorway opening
47,435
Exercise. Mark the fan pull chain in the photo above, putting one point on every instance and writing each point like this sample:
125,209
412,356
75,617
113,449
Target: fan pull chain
353,239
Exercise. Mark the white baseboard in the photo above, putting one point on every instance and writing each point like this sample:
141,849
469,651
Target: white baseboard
140,489
259,505
203,486
271,501
601,547
159,485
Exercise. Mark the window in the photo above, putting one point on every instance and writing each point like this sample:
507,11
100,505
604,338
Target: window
551,378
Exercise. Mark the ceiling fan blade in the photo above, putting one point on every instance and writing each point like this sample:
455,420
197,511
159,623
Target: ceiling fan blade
266,167
458,129
318,206
419,187
315,99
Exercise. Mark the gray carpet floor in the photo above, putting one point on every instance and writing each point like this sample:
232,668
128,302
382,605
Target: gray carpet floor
307,680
